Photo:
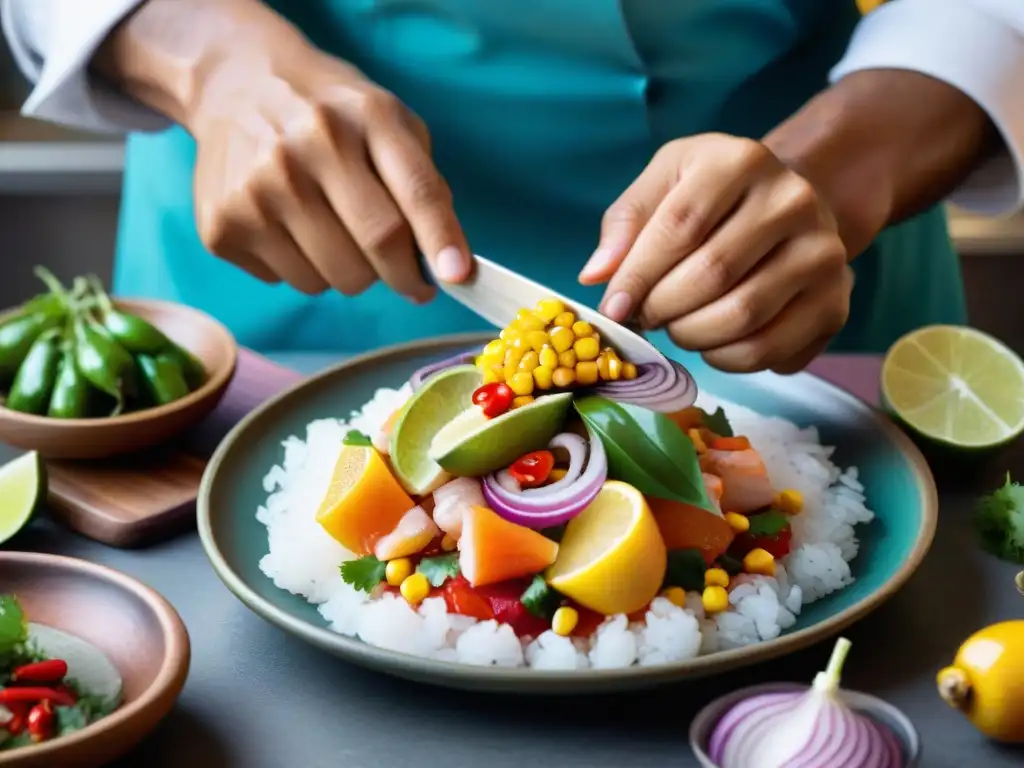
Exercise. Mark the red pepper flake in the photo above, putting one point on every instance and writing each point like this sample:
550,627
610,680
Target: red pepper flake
730,444
46,672
34,695
42,721
533,469
494,399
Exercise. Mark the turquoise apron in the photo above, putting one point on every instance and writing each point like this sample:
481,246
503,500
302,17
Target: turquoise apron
541,112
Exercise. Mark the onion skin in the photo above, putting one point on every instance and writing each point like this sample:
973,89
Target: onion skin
424,373
664,386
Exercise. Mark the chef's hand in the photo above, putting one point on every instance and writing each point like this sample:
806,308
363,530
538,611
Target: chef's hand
730,251
311,174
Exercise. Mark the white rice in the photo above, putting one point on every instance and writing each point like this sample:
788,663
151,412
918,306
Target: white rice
304,560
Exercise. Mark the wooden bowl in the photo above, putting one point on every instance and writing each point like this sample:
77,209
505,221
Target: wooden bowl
138,630
94,438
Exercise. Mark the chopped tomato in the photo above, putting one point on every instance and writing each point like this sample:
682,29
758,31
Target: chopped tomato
777,545
494,398
730,444
503,598
461,598
588,622
533,469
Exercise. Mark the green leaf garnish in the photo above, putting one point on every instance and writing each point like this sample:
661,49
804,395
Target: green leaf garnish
540,599
998,521
13,625
717,422
767,523
729,564
355,437
685,569
647,450
364,573
439,569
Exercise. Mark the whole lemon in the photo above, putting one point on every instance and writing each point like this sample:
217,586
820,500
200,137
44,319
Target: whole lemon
986,681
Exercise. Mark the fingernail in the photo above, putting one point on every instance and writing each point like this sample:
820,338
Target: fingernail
599,262
618,307
451,264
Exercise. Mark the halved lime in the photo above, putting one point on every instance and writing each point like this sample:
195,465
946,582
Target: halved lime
22,488
441,398
472,445
956,386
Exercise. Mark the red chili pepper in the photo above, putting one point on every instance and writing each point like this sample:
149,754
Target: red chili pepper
533,469
730,444
42,721
34,695
777,545
48,671
19,713
68,691
494,398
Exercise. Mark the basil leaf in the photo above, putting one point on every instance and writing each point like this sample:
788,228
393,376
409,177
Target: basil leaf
767,523
718,422
647,450
685,569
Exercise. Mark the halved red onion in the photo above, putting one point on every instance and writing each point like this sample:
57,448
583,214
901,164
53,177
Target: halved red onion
665,386
424,373
559,502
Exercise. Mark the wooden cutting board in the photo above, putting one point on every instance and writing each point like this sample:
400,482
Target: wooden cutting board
140,499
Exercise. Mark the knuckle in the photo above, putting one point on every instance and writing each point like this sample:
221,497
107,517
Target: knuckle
717,272
745,313
214,229
622,211
353,286
797,196
426,189
683,224
378,235
380,106
751,153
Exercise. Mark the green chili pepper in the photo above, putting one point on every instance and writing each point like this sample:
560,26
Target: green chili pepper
70,398
192,367
133,333
163,377
33,384
18,334
103,362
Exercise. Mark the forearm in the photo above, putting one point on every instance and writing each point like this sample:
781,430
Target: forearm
882,145
163,53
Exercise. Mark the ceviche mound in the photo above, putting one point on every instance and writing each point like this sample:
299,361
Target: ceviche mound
544,502
51,683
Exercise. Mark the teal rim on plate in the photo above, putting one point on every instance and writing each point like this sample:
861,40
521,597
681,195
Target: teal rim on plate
898,485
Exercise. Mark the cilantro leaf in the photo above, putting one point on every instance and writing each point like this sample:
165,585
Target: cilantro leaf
364,573
999,521
768,523
685,569
439,569
355,437
717,422
540,599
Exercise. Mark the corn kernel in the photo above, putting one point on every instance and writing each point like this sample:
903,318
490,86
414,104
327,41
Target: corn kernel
614,369
602,366
530,361
449,543
586,373
491,376
537,340
565,320
564,621
521,383
698,442
495,348
563,377
397,571
561,339
791,501
528,320
519,402
548,357
715,599
676,596
509,334
610,352
542,377
415,588
628,371
582,329
586,349
716,577
759,561
557,474
549,309
512,359
567,359
520,343
737,522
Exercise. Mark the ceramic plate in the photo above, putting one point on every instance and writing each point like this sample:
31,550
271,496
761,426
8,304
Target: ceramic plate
899,488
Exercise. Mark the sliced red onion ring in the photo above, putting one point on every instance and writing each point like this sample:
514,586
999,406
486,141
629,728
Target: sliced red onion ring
424,373
559,502
575,445
665,387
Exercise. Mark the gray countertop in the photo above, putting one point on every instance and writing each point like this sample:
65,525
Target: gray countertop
259,698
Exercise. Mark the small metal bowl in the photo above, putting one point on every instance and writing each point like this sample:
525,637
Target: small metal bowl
704,724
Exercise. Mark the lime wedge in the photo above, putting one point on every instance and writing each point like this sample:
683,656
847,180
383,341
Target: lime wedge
22,488
441,398
471,445
956,386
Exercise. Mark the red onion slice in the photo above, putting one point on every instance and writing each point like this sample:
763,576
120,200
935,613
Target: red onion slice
554,504
665,387
424,373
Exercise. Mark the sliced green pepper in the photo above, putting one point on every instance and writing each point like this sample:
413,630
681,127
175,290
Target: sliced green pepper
70,398
163,378
133,333
104,362
33,384
195,372
18,333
